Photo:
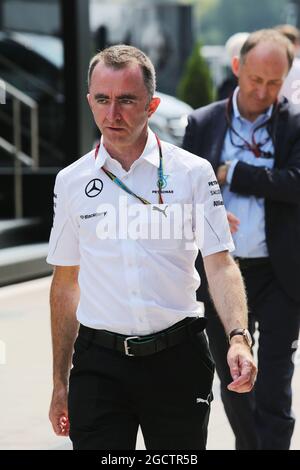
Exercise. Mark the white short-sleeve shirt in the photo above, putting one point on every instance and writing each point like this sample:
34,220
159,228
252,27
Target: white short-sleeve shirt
137,273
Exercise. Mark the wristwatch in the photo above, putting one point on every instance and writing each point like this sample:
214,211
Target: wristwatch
243,332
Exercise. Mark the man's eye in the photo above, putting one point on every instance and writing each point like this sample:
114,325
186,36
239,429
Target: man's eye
102,100
126,101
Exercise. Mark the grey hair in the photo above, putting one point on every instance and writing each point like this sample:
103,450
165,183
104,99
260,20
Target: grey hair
121,56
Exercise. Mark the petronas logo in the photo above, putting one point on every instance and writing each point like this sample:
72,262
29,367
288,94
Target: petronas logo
163,184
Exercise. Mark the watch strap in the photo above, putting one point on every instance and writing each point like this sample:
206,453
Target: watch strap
236,331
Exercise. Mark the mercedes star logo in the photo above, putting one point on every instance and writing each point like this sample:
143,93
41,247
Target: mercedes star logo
93,188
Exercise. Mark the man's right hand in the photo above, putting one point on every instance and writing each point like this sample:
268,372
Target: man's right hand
58,413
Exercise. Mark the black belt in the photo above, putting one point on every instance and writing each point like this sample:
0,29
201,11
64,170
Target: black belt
245,263
145,345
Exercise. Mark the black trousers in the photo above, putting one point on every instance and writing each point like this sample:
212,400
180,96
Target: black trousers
168,394
261,419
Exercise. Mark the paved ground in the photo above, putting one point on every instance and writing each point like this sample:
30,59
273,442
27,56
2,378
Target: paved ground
25,376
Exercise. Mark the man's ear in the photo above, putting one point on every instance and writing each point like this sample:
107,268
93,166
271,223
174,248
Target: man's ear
235,65
153,105
89,98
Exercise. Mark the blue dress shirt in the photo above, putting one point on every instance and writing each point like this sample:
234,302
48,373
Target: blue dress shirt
250,239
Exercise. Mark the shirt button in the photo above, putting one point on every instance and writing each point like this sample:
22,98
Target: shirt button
134,292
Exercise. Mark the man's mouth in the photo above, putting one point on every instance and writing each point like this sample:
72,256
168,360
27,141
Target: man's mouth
261,101
115,129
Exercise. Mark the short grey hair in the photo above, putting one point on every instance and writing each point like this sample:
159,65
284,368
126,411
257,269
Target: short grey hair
121,56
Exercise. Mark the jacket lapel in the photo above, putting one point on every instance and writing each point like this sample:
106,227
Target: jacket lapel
280,133
218,135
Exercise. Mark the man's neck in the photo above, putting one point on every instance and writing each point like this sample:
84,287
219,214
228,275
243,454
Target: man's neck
126,155
244,112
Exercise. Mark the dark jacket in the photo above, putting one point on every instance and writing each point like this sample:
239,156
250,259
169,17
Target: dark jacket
280,186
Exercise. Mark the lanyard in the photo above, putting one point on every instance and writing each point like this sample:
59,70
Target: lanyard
253,146
160,174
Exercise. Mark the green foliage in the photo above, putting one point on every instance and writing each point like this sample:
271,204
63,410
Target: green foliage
226,17
196,87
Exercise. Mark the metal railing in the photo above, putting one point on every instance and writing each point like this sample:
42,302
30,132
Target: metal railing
19,98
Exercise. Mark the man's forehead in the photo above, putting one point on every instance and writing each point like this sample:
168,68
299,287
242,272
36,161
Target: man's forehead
126,70
267,51
120,80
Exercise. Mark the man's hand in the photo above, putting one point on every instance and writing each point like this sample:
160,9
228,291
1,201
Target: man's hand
242,367
222,173
64,298
58,413
233,221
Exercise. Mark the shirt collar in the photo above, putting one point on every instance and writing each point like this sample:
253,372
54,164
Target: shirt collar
236,111
150,152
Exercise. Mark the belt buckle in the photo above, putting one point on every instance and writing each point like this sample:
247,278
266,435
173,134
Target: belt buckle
127,347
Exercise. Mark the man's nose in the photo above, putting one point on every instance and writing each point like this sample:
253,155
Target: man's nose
113,112
262,92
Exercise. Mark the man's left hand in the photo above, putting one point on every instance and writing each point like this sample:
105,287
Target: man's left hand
242,368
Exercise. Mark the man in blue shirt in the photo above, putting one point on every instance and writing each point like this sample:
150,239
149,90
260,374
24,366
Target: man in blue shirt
253,142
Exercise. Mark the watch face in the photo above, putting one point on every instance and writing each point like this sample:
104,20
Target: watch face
248,338
245,333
